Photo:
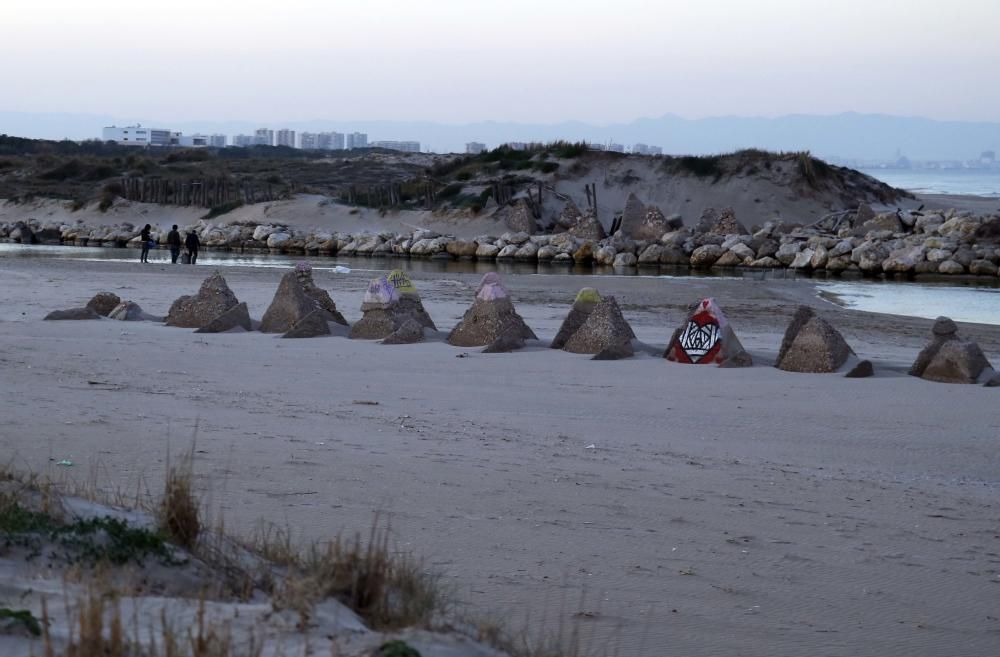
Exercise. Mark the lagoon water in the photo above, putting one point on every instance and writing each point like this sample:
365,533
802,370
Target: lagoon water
961,299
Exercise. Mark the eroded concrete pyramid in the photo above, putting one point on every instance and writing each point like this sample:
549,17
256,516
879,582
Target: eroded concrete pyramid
379,307
605,327
322,298
491,317
706,338
213,299
811,344
949,359
289,306
583,305
409,299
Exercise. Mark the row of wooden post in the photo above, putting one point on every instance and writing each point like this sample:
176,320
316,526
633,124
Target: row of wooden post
203,192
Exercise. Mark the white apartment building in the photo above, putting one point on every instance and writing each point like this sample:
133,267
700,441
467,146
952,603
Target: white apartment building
285,137
195,141
356,140
645,149
243,140
263,137
308,141
475,148
137,135
330,141
217,141
404,146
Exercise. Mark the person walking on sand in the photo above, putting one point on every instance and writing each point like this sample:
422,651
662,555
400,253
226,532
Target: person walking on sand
144,238
192,243
174,242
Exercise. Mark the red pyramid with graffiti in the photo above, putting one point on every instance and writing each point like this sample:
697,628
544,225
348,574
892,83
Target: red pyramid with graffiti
706,338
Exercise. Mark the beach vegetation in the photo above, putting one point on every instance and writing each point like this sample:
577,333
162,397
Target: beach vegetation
221,209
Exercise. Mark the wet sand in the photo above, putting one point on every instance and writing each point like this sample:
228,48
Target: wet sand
718,512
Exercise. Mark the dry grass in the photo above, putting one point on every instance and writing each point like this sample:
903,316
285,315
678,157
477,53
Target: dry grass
386,588
178,514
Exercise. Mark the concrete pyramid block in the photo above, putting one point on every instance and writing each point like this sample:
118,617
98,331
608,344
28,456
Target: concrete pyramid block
237,317
213,299
378,319
409,298
290,305
584,303
103,303
410,332
491,316
322,298
811,344
706,338
949,359
313,325
605,327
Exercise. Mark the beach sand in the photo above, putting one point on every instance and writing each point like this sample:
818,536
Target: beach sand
665,509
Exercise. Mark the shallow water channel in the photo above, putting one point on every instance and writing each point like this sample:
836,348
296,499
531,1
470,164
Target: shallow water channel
961,299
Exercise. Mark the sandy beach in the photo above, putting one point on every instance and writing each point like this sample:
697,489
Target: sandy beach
666,509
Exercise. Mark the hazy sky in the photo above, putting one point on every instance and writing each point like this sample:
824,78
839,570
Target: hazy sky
519,60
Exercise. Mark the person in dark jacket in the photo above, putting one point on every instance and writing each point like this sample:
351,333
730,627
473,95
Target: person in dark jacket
174,242
192,243
145,238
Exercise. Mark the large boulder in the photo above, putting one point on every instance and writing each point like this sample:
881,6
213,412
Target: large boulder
641,222
303,272
604,327
213,299
720,223
811,344
237,317
706,338
949,359
73,313
520,218
584,303
491,316
103,303
290,305
588,227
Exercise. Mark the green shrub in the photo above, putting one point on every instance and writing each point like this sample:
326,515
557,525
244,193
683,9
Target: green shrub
449,191
222,209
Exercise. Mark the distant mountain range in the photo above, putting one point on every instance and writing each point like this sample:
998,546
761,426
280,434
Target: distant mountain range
849,136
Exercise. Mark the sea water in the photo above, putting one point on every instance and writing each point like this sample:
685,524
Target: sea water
974,182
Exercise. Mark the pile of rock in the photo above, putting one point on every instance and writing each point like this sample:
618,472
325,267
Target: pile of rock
491,321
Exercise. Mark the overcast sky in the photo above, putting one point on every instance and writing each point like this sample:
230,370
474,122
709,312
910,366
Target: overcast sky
512,60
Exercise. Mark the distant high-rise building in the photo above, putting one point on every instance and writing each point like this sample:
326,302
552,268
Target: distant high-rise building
243,140
356,140
596,147
405,146
330,141
475,148
263,137
285,137
517,145
217,141
194,141
616,148
988,157
308,141
645,149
